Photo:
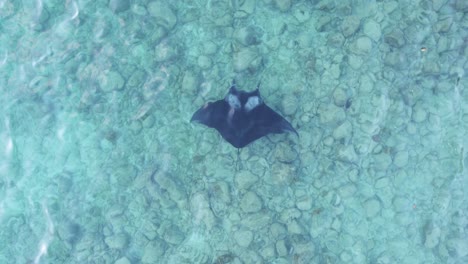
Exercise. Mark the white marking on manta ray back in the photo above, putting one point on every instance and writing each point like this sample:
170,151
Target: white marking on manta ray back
252,102
230,115
233,101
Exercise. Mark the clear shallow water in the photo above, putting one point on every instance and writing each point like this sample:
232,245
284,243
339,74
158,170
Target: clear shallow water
99,163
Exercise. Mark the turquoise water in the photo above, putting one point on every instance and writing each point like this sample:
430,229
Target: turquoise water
100,164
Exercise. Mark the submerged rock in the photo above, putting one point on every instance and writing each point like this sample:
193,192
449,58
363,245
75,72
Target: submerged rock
361,46
165,52
350,25
117,241
331,115
246,58
443,25
372,207
163,14
431,235
289,103
245,179
153,252
248,36
372,30
173,235
111,81
395,38
283,5
119,5
251,203
243,238
459,246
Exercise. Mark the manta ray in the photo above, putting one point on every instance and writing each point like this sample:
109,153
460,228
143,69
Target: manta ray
242,117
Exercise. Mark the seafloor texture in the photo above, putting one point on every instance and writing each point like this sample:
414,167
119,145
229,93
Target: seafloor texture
99,163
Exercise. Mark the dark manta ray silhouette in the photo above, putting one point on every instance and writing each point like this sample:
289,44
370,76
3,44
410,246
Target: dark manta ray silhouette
242,117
